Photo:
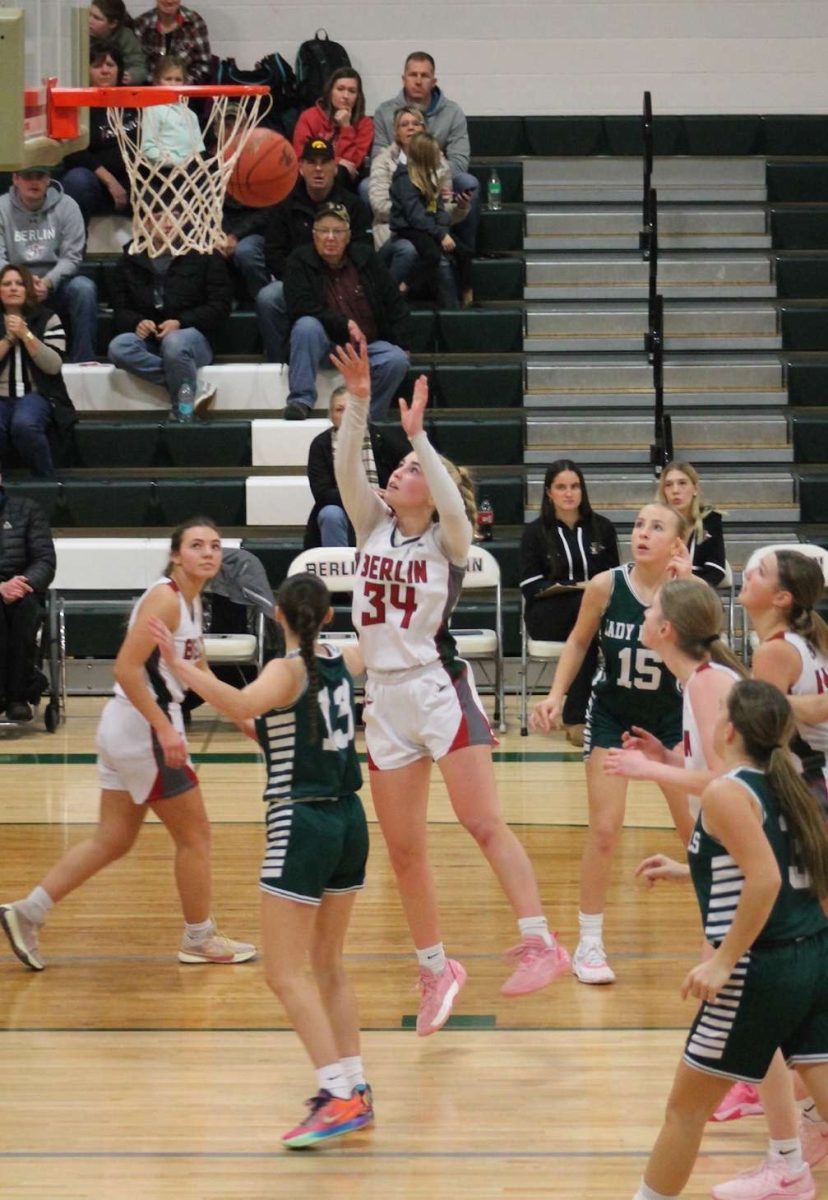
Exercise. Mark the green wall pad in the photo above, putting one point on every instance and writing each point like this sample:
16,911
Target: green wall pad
495,385
802,277
504,493
511,179
482,331
133,505
797,182
813,498
808,385
498,279
492,136
805,327
810,439
501,230
479,441
800,229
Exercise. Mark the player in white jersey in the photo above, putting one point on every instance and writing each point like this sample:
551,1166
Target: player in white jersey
420,700
143,763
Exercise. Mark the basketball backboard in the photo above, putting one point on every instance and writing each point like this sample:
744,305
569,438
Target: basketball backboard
39,40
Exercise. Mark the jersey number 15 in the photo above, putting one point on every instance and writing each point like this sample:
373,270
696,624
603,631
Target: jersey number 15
644,674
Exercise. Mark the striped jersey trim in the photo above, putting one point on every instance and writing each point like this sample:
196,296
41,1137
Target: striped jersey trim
279,821
708,1039
281,752
727,881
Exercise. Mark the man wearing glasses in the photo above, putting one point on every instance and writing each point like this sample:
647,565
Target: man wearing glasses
337,291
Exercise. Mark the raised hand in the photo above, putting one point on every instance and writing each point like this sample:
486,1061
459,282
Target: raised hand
352,363
411,415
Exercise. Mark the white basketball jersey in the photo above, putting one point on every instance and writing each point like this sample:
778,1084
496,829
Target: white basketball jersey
694,759
405,590
188,644
811,745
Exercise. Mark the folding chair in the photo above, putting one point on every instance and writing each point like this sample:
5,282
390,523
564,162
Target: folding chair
485,645
543,654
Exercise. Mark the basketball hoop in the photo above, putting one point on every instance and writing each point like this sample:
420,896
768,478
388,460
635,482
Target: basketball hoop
176,207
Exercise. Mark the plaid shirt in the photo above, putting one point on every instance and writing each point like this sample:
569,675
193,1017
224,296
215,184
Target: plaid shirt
189,41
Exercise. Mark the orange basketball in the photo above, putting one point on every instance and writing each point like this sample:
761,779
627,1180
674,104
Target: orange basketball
265,171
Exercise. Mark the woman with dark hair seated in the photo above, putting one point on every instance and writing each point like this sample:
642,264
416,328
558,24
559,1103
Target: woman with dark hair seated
339,117
32,391
559,552
96,177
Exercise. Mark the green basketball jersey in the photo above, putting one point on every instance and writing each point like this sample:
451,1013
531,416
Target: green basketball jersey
307,765
632,682
718,879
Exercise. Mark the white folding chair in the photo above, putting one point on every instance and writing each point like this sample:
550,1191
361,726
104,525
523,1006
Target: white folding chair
485,645
809,549
544,655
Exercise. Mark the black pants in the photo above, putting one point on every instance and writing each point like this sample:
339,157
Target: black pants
19,623
552,620
428,274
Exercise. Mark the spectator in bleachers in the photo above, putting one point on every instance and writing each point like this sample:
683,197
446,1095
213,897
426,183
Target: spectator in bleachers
290,224
408,120
172,29
43,229
382,451
339,117
170,133
679,486
27,567
110,22
167,307
337,291
33,396
560,552
96,177
446,122
420,216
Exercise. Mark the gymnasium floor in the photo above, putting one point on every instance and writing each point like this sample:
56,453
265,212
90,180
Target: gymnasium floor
127,1074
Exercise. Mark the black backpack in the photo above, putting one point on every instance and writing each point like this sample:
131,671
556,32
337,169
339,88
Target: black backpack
277,74
316,61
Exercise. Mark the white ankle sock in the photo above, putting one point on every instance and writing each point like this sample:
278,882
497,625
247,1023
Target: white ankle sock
648,1193
334,1080
197,933
535,927
432,958
37,905
591,926
788,1151
354,1071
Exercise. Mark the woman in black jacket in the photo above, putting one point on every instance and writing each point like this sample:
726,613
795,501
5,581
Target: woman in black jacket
32,392
679,487
560,551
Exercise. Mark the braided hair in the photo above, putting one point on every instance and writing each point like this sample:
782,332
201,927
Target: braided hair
762,717
304,600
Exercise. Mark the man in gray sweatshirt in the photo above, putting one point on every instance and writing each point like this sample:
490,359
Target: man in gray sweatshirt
445,121
42,229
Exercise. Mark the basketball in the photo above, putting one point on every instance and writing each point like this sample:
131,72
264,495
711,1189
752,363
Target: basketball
265,170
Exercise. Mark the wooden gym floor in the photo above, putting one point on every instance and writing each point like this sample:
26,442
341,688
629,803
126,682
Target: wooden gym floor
127,1074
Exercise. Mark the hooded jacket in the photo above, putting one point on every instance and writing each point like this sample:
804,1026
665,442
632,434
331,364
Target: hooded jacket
445,121
49,240
26,546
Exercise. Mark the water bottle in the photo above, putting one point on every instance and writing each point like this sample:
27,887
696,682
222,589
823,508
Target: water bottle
494,192
186,401
485,521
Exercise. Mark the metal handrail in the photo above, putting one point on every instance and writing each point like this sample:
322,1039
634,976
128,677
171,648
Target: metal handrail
661,450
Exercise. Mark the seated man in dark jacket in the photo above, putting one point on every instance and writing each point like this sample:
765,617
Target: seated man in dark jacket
338,292
382,451
27,567
167,306
290,224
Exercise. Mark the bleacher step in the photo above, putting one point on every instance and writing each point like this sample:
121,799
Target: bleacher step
749,438
690,373
590,227
592,275
676,180
573,326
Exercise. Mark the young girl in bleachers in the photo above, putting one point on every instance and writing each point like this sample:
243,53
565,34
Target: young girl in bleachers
171,132
419,215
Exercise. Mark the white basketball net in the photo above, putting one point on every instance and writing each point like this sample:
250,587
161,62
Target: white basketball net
177,207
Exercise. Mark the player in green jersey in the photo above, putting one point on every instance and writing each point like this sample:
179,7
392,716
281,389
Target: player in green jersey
317,843
632,688
759,863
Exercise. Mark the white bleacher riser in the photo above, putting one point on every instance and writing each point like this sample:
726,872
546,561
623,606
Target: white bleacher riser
278,500
284,443
112,563
109,234
241,388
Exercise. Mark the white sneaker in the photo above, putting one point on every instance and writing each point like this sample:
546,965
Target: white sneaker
215,948
205,396
22,935
771,1180
589,963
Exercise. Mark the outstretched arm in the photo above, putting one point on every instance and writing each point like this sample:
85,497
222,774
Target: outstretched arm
361,503
455,527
